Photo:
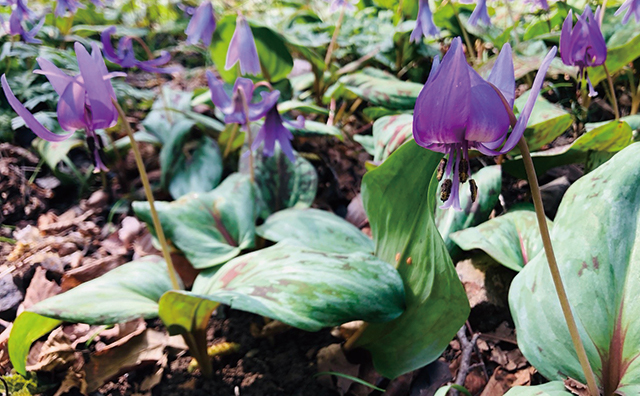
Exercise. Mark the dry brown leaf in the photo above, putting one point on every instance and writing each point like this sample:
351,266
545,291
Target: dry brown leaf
72,380
499,383
346,330
121,333
56,353
155,377
91,271
143,246
146,348
475,381
39,289
130,228
576,387
332,358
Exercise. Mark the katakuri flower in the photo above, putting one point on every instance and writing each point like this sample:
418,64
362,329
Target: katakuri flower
14,26
458,110
71,5
125,55
480,13
273,130
234,108
583,45
242,48
632,7
202,25
336,4
85,100
424,24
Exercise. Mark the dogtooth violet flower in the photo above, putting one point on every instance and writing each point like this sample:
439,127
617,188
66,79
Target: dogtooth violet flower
480,13
273,130
424,24
234,108
85,100
14,26
125,55
64,5
583,45
242,49
336,4
632,7
458,110
202,25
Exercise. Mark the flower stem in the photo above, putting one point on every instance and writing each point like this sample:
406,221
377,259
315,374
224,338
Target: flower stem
245,102
334,39
555,271
614,101
465,35
149,194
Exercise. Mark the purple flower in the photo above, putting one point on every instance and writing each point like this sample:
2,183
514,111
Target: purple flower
125,55
234,108
458,110
336,4
71,5
424,23
202,25
14,27
273,130
21,4
583,44
480,13
632,7
85,100
242,48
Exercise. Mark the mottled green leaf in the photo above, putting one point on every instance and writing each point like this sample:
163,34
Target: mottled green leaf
388,92
27,328
209,228
127,292
546,123
512,239
604,140
391,132
596,239
315,229
197,171
306,288
302,107
282,184
399,197
489,182
275,60
315,128
619,54
555,388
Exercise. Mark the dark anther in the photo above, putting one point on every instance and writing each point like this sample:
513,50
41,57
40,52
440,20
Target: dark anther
441,166
445,191
464,171
473,187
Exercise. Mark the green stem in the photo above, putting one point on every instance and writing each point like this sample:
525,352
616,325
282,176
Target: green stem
635,93
147,190
245,102
334,39
465,35
555,271
614,100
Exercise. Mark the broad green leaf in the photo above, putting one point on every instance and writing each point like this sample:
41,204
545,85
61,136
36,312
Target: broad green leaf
596,239
198,171
302,107
171,106
27,328
315,128
127,292
315,229
512,239
282,184
555,388
209,228
444,391
391,132
188,316
275,60
489,182
305,288
385,91
547,121
399,197
594,147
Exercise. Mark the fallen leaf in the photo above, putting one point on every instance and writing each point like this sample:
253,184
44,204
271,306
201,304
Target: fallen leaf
39,289
575,387
72,380
499,383
130,227
332,358
56,353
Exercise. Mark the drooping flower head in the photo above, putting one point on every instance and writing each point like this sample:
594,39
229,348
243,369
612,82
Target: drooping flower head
632,7
274,130
15,26
583,45
85,100
71,5
336,4
424,24
458,110
242,48
480,13
125,55
202,25
234,108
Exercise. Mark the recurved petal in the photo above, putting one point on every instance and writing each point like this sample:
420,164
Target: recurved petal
443,105
260,109
242,48
565,39
218,95
502,75
59,80
521,124
71,108
109,51
31,122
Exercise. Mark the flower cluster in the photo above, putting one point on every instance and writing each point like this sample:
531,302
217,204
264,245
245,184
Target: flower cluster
21,14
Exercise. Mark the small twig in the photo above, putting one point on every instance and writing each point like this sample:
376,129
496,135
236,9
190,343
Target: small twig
245,102
614,100
465,359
